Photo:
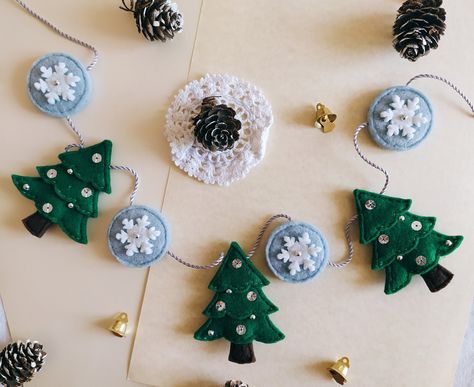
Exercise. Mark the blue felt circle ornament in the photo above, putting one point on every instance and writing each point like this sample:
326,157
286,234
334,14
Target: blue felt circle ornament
297,252
138,236
59,85
400,118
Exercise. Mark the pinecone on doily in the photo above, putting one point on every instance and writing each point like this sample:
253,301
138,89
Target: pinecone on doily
156,19
418,27
236,383
216,127
20,361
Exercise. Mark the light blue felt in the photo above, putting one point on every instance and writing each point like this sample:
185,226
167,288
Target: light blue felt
378,127
61,108
276,243
160,244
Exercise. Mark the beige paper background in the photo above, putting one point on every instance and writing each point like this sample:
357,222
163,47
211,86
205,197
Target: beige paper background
338,53
53,289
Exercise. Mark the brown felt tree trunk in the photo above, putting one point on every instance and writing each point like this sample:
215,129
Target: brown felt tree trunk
438,278
37,224
241,353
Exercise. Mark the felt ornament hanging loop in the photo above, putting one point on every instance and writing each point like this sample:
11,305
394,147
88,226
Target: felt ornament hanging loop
404,244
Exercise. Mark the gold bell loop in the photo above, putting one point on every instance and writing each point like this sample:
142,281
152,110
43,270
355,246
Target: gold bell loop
339,370
325,118
119,326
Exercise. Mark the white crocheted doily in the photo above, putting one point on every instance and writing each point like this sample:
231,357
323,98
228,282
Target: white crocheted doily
253,110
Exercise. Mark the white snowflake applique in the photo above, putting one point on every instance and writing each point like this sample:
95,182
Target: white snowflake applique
57,84
299,253
403,117
137,236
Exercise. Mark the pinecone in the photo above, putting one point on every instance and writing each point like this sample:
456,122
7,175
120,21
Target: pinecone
156,19
236,383
20,361
216,127
418,27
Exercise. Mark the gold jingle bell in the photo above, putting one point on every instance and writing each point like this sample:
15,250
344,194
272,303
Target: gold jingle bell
119,327
325,118
339,370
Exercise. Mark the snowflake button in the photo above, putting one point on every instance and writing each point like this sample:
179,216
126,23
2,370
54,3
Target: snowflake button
59,85
138,236
297,252
400,118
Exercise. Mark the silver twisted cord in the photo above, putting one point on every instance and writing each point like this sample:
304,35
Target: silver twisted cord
447,82
218,261
61,33
78,134
134,173
350,245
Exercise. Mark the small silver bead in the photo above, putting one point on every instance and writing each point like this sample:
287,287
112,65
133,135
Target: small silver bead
96,158
251,296
47,208
70,205
449,243
370,204
237,263
229,291
26,187
56,83
86,192
210,332
52,173
399,257
241,330
220,306
403,117
384,239
416,225
70,171
402,218
253,317
420,260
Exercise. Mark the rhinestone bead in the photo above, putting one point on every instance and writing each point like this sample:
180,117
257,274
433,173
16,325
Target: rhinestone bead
237,263
52,173
96,158
370,204
384,239
241,330
210,332
26,187
251,296
449,243
420,260
416,225
70,171
220,306
70,205
399,257
253,317
47,208
229,291
86,192
402,218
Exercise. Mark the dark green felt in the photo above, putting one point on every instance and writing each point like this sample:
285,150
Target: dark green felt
229,278
386,213
80,161
68,188
396,278
403,239
238,308
73,223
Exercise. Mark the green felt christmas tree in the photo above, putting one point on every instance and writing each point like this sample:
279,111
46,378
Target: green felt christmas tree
239,310
66,194
404,244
